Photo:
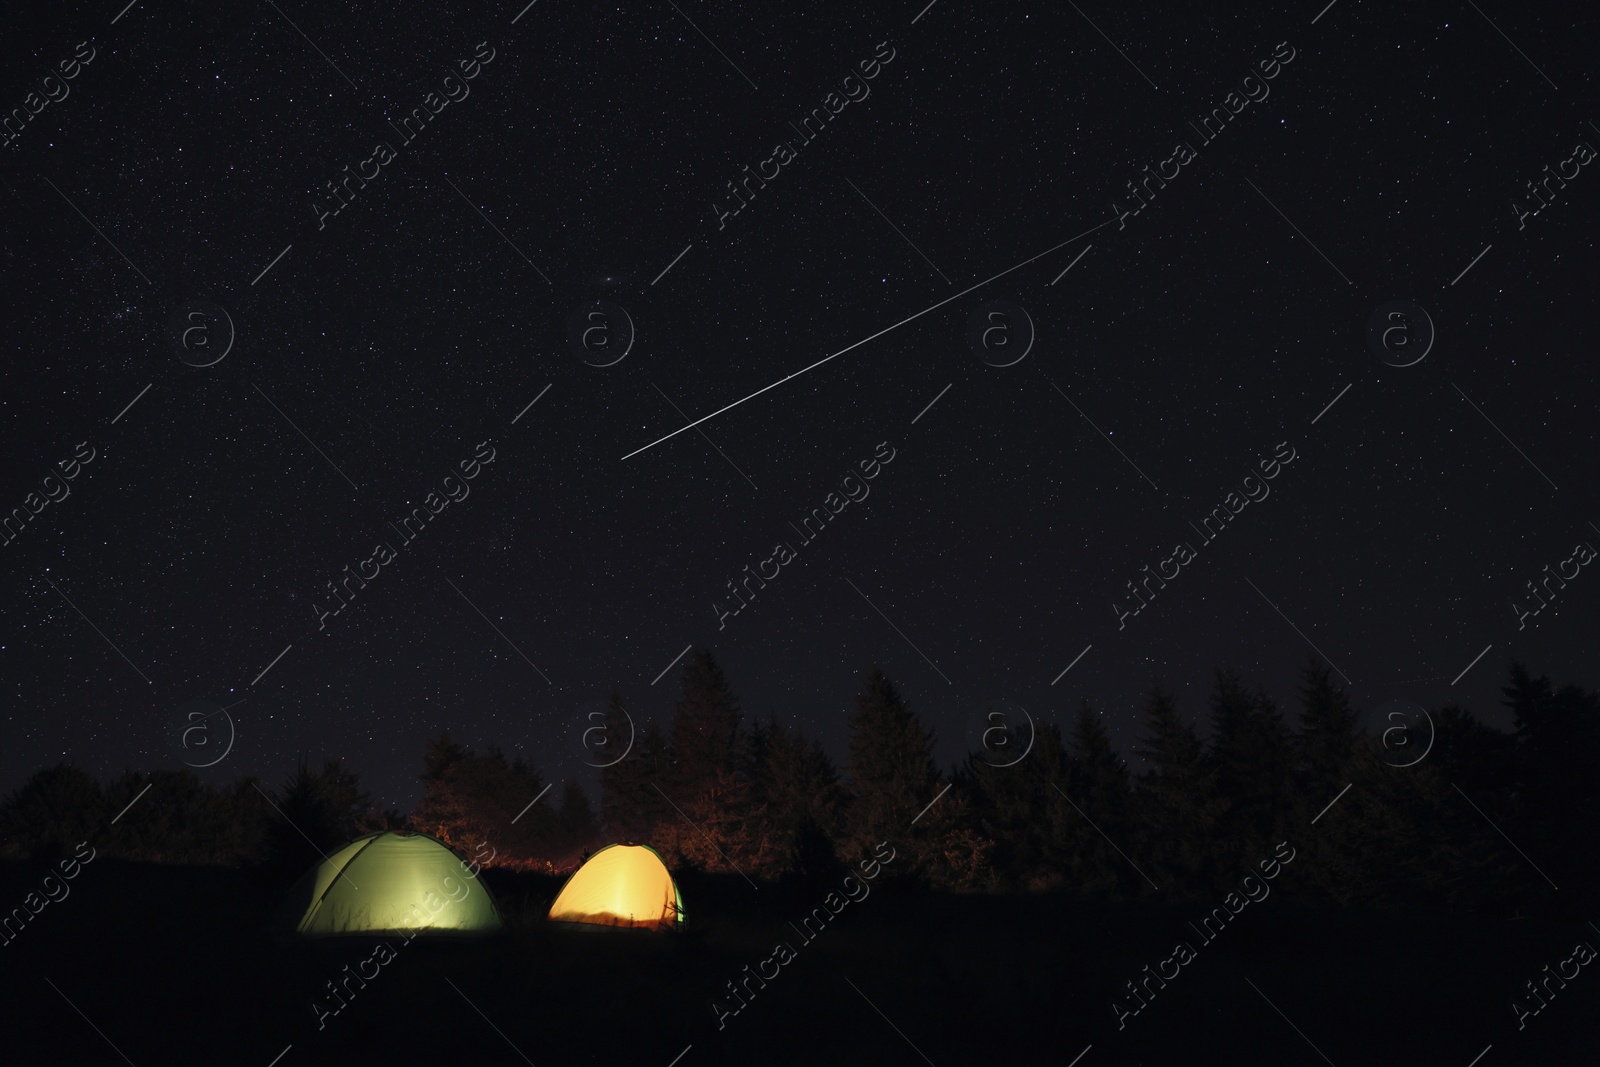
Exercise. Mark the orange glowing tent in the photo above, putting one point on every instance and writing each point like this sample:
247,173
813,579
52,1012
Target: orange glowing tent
621,886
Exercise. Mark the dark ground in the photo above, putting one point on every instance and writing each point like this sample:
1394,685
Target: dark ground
180,965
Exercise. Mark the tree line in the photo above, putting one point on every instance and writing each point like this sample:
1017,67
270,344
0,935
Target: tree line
1484,821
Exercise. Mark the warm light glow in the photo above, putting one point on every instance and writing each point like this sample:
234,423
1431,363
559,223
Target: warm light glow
623,885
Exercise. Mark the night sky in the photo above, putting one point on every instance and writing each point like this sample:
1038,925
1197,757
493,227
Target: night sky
584,153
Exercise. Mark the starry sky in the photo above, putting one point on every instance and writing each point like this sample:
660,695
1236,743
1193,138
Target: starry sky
168,205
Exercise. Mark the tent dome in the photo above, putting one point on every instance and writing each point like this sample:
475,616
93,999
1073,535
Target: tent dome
621,885
392,882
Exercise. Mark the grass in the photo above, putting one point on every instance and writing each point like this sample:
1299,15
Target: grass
180,965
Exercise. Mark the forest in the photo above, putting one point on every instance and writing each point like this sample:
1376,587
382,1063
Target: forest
1490,821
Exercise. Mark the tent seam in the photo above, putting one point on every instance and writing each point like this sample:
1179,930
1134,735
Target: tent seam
317,904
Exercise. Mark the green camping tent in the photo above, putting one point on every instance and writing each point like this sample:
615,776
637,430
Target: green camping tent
392,882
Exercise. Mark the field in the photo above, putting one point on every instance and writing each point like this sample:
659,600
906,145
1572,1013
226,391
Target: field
182,965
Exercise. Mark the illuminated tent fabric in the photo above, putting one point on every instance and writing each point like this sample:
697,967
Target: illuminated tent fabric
621,885
393,883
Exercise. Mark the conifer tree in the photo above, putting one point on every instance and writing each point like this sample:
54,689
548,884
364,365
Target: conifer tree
1328,736
481,802
1557,737
634,779
799,796
579,828
1479,758
1177,798
51,813
1017,803
892,774
324,808
616,750
1100,790
708,787
705,726
651,772
1046,862
438,753
1252,757
1404,837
